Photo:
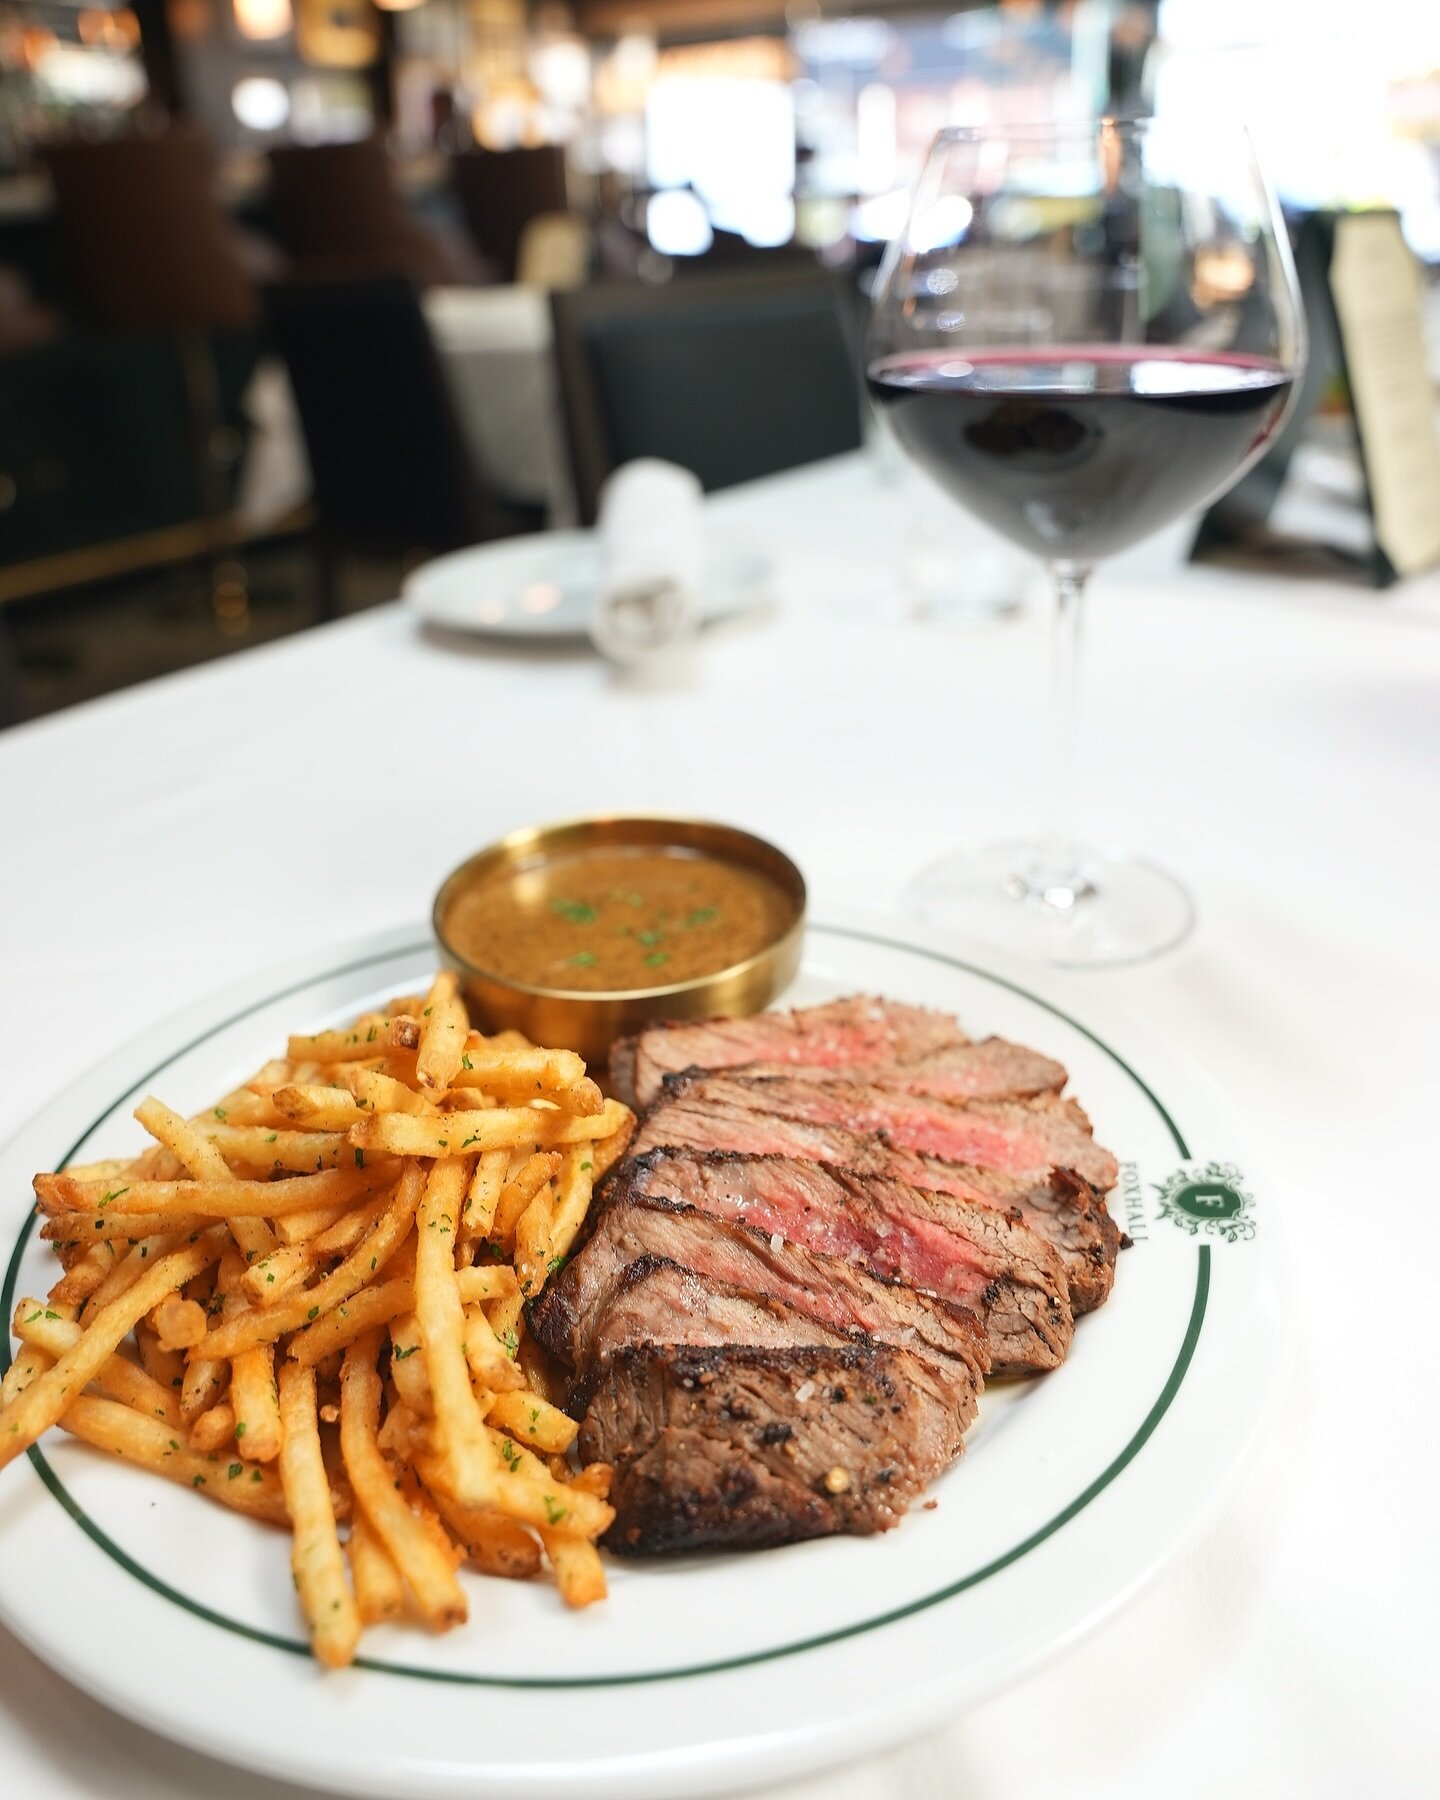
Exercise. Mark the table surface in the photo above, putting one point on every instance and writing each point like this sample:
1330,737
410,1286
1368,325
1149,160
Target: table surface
1278,742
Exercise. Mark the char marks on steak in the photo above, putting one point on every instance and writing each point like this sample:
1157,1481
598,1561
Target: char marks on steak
844,1299
958,1249
844,1032
750,1447
734,1113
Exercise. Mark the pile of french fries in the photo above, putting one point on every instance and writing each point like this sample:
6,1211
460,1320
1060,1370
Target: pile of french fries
306,1304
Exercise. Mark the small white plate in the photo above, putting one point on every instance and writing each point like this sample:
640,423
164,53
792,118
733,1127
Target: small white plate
699,1674
546,586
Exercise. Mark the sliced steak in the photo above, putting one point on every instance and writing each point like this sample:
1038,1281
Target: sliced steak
843,1298
746,1448
655,1301
857,1030
736,1115
990,1070
959,1249
1013,1137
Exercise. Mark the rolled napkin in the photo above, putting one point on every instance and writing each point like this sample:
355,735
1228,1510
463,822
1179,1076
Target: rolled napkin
652,550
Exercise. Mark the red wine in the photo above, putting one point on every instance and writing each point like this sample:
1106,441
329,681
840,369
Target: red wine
1076,453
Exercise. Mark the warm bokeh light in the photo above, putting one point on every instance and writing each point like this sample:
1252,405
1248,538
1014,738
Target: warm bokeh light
260,19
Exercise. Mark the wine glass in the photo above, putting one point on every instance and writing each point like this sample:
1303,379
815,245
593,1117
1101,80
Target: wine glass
1084,331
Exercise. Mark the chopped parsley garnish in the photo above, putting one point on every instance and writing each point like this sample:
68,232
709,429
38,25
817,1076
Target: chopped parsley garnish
220,1113
359,1159
510,1453
655,958
553,1513
314,1313
702,915
198,1481
114,1194
234,1470
511,1341
583,959
585,1165
576,911
399,1355
240,1429
465,1062
649,937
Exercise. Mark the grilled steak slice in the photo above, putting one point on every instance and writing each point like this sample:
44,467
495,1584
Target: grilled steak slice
1061,1206
956,1248
993,1069
857,1030
839,1296
1011,1136
745,1448
655,1301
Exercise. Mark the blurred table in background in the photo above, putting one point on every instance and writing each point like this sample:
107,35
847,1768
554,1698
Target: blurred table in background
1276,742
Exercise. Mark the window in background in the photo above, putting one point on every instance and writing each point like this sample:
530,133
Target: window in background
720,121
1344,108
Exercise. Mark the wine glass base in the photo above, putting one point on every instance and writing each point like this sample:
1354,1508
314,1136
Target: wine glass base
1111,910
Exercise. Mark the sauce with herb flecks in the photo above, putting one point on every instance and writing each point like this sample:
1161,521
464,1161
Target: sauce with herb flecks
608,921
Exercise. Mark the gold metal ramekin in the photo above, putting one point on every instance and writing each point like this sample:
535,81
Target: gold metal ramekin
589,1023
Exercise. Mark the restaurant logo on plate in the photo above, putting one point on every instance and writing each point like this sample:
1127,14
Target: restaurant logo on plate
1208,1197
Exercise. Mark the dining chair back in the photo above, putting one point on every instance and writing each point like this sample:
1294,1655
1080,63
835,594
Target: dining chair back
501,191
144,240
733,377
338,211
392,471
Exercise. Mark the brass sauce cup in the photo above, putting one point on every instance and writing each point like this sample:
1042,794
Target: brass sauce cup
590,1022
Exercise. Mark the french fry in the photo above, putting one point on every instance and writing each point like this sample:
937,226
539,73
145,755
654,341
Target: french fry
27,1367
151,1444
315,1557
266,1150
463,1444
375,1250
119,1230
40,1327
44,1401
129,1267
178,1324
574,1189
504,1128
526,1074
533,1422
379,1588
256,1402
213,1428
408,1368
81,1280
520,1190
364,1039
212,1199
494,1544
388,1300
490,1365
484,1194
382,1093
317,1107
532,1242
197,1155
443,1030
579,1574
531,1494
427,1571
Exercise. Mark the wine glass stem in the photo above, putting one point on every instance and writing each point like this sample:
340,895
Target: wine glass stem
1061,879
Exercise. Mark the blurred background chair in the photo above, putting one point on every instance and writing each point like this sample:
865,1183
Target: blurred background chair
733,377
337,210
393,473
501,191
149,252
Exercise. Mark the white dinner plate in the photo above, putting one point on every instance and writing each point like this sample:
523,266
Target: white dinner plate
545,586
703,1673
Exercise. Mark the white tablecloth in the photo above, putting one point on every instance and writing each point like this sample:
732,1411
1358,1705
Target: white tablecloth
1278,743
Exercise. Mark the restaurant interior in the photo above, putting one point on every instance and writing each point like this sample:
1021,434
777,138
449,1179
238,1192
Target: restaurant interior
297,294
613,953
